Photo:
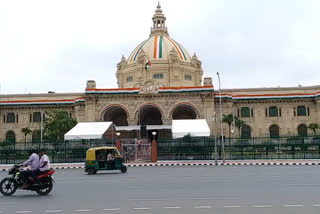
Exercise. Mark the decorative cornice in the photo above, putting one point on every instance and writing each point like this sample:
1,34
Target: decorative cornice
160,90
41,102
269,96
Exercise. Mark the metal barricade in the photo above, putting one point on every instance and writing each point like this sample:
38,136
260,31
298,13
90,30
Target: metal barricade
136,151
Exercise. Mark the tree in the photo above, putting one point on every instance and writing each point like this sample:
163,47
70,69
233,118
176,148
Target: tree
314,127
239,123
26,131
56,124
228,119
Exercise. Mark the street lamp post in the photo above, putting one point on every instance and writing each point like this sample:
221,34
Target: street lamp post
215,137
154,135
222,139
118,134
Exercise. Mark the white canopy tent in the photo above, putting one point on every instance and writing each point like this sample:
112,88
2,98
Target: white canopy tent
195,127
88,131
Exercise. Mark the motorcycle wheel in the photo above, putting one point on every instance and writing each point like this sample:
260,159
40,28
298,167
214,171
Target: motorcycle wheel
47,187
8,186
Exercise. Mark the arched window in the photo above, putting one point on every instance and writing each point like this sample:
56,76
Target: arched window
245,112
302,111
274,131
36,136
36,117
11,137
302,130
245,131
273,111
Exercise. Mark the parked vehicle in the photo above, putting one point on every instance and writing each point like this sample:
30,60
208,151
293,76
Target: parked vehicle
9,185
99,158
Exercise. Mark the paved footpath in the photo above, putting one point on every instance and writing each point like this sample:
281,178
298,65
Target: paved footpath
293,162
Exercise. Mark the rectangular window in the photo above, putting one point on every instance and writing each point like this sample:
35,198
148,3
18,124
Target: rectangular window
11,118
4,118
36,117
17,118
280,112
273,111
302,111
187,77
308,111
129,79
158,76
266,110
251,112
245,112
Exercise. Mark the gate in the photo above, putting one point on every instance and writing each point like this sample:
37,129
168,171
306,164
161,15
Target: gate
136,151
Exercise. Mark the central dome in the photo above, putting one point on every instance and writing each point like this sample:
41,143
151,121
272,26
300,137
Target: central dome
159,59
159,47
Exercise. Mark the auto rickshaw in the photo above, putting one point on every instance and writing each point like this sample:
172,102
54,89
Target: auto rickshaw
97,159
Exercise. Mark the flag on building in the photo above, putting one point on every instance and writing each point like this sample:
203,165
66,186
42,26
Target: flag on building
148,63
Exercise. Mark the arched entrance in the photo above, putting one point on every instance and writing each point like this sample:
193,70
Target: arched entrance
11,137
302,130
184,111
245,131
149,115
274,131
116,114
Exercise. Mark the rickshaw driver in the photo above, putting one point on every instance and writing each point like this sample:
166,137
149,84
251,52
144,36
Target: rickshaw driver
110,158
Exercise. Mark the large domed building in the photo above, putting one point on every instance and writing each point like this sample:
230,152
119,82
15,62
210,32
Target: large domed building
159,82
170,63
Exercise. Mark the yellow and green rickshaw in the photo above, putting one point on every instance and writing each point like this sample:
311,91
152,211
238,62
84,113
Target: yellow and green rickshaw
104,158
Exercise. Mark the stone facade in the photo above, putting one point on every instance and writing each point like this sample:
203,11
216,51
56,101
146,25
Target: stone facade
169,88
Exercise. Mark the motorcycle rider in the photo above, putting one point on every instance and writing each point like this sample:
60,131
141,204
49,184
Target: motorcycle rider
44,161
34,164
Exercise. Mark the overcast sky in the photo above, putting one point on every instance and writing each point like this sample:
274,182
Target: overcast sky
59,45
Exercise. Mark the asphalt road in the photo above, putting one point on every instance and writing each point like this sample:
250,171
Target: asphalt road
189,189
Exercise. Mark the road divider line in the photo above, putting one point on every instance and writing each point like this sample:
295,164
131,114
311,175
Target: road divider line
232,206
26,211
142,208
83,210
202,207
316,205
171,207
262,206
7,203
293,205
112,209
53,211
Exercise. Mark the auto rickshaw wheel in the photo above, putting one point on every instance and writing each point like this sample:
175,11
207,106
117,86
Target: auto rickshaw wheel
123,169
91,171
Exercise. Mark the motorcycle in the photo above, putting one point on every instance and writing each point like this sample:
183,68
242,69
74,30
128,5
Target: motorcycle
9,185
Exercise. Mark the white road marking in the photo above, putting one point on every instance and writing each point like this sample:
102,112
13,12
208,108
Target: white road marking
113,209
232,206
293,205
316,205
262,206
83,210
202,207
142,208
53,211
171,207
24,211
7,203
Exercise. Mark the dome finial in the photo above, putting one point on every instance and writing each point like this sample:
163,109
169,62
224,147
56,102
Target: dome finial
159,25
